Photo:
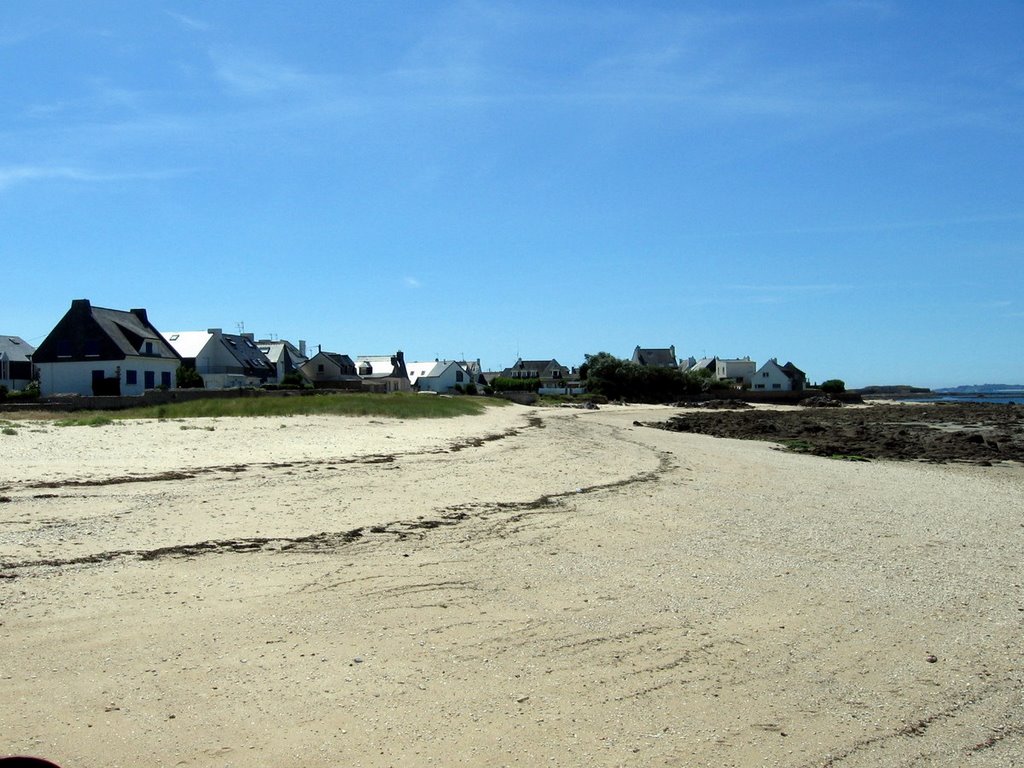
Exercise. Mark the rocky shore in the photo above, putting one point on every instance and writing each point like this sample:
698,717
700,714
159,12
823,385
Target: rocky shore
938,432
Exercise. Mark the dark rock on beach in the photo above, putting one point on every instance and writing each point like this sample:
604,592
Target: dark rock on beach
939,432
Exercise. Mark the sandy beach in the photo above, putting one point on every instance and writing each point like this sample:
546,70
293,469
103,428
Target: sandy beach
527,587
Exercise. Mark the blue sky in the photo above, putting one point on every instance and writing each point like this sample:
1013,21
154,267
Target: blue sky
836,183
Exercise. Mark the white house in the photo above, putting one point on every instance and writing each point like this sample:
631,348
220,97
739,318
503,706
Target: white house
779,378
383,373
740,371
15,362
100,351
283,355
693,365
331,370
437,376
224,360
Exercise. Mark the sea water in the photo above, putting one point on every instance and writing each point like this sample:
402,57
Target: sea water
1011,398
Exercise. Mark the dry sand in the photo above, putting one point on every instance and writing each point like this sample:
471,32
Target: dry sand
575,591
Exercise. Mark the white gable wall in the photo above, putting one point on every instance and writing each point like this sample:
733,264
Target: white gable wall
441,378
76,377
740,371
214,361
770,377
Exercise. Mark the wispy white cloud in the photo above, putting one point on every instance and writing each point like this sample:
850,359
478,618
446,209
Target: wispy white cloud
11,34
890,226
252,74
189,22
13,175
790,289
775,293
876,8
411,282
782,293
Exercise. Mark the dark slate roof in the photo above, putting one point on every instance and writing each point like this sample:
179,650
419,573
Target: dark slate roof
340,359
792,371
248,355
659,358
90,333
279,350
543,368
17,349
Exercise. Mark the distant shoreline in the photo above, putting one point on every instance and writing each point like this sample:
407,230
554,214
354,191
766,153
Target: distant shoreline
995,398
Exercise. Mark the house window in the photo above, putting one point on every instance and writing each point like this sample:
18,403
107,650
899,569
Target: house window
458,375
63,348
320,368
764,374
776,386
149,347
92,348
131,377
150,379
165,379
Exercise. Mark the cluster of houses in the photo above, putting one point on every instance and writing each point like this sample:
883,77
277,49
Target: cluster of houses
99,351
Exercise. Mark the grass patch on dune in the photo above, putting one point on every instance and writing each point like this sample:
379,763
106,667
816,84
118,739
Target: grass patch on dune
396,406
91,420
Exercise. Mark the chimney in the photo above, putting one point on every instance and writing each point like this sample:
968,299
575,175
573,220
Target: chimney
81,304
141,314
214,331
302,347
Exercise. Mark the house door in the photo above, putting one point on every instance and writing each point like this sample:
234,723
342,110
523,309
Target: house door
149,379
105,387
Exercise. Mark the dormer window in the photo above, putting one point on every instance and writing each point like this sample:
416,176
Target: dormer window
149,348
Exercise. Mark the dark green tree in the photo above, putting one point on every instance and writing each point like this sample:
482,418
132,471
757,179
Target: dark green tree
187,378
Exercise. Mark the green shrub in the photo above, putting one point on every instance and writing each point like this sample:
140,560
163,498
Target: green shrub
188,378
293,380
618,379
508,384
833,386
471,389
31,392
